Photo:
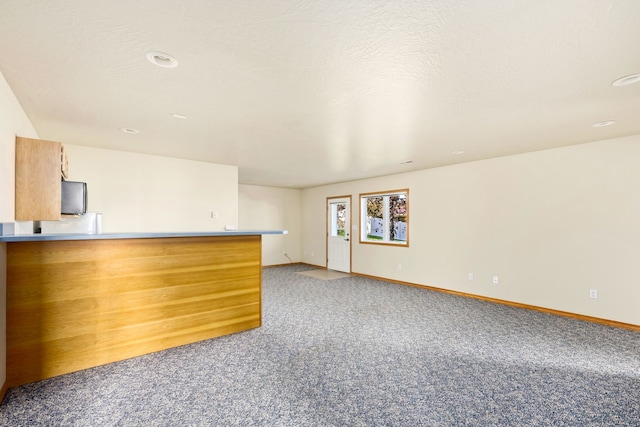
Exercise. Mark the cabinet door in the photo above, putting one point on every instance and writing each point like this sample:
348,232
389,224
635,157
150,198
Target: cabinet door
38,185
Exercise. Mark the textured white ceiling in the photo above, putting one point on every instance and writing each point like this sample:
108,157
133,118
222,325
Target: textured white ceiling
303,93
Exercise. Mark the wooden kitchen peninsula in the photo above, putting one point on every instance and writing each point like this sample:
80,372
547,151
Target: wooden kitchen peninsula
79,301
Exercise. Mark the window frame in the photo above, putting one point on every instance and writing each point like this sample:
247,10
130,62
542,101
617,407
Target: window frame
364,235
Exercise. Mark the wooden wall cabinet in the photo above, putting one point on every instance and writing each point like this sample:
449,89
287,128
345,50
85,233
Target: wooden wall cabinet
39,168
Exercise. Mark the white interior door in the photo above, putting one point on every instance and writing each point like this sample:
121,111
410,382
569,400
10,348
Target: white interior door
338,234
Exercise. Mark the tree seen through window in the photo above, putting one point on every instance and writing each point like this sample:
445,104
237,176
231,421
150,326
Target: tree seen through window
385,217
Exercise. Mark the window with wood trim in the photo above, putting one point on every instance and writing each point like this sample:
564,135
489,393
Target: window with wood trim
384,217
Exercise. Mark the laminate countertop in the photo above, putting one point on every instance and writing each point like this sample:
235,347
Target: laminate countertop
148,235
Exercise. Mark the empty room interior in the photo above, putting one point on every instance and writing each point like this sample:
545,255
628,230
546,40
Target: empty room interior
444,195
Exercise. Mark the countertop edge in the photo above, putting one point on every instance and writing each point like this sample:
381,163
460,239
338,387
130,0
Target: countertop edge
148,235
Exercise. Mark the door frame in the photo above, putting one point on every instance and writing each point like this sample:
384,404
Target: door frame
326,233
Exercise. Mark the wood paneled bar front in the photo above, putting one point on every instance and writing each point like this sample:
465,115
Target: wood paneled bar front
80,301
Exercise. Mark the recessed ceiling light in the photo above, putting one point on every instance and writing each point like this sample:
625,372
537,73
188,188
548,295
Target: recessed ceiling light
627,80
129,130
604,123
178,116
162,59
457,152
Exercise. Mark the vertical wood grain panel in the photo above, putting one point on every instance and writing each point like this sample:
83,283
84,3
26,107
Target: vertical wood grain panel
38,176
73,305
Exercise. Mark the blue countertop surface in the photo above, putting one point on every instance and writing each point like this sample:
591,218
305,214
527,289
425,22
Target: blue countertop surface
107,236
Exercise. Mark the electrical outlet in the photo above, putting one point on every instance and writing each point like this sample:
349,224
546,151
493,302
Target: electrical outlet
214,215
593,293
495,280
470,276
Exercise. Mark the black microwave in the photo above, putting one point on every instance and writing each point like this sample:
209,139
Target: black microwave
74,198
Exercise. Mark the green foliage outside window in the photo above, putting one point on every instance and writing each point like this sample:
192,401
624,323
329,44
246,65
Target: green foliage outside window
385,217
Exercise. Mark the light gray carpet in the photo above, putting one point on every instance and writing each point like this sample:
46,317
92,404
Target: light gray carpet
359,352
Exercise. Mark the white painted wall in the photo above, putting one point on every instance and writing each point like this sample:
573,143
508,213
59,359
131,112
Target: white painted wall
13,121
139,192
269,208
551,224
